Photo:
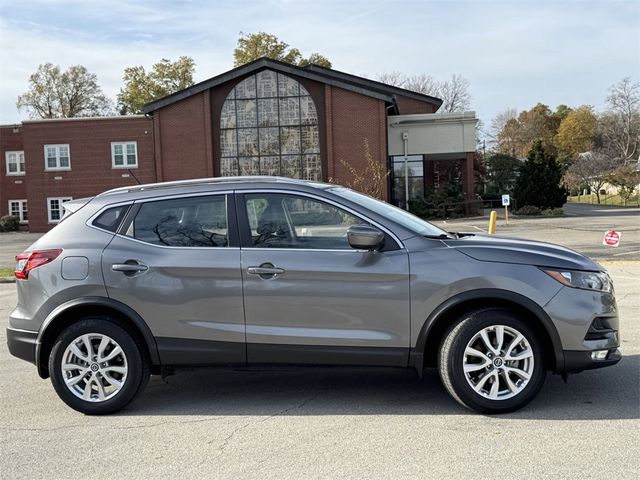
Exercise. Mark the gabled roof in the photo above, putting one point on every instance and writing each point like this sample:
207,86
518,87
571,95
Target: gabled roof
374,85
316,73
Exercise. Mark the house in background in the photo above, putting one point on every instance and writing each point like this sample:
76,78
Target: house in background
263,118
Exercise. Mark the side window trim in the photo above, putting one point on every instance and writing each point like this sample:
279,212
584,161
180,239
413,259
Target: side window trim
246,241
232,224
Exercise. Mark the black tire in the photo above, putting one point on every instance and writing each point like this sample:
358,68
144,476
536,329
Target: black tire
138,366
451,362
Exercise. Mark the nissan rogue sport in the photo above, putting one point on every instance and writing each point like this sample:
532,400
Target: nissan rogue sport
266,270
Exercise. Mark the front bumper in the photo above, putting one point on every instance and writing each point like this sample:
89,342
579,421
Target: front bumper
22,344
577,360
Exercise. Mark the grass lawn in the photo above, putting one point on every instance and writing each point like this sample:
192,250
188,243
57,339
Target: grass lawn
605,200
6,272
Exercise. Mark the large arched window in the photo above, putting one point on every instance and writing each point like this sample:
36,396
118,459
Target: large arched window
269,126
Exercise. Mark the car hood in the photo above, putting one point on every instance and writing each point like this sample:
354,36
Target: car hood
489,248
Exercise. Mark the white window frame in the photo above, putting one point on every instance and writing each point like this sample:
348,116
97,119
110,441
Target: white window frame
124,154
61,200
8,162
57,168
23,209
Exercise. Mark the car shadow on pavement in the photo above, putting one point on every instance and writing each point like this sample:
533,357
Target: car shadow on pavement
607,394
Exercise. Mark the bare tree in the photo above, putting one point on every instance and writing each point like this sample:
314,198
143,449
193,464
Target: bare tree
620,126
593,169
497,127
56,94
454,92
370,180
396,79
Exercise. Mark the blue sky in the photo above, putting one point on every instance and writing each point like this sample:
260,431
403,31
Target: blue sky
514,53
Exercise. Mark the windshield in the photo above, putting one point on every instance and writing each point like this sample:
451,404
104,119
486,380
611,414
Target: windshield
395,214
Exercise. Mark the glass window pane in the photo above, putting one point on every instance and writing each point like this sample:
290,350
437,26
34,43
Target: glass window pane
248,142
64,162
308,114
110,219
131,148
64,151
246,88
291,221
311,167
268,112
267,84
270,165
117,149
310,139
416,188
52,162
289,140
287,86
269,141
228,167
290,166
13,166
289,111
228,143
249,165
247,113
228,114
118,160
184,222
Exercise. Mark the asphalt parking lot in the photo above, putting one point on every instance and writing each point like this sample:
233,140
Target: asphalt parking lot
342,423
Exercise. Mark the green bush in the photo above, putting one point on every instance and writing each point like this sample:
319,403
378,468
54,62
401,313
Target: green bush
540,180
528,210
9,223
553,212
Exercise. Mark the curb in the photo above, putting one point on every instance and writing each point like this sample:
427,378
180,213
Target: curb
7,279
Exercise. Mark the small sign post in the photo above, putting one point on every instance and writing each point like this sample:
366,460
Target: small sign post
611,238
506,201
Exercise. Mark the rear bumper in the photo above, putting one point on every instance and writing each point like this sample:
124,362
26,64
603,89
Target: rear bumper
22,344
576,361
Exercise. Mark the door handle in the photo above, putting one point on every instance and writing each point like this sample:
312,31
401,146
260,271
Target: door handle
129,268
265,270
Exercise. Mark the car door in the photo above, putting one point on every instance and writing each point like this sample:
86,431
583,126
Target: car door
176,262
311,298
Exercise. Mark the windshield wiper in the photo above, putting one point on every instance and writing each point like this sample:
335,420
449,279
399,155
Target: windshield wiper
442,236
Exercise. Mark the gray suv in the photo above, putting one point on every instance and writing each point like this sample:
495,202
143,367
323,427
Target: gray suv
266,270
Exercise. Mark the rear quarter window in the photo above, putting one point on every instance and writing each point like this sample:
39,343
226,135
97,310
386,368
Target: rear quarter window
111,218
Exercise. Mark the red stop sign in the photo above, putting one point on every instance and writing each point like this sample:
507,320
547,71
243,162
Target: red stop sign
611,238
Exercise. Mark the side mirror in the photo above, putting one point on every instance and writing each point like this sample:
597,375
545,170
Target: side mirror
364,237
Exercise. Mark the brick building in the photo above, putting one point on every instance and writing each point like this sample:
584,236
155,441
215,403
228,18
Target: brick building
263,118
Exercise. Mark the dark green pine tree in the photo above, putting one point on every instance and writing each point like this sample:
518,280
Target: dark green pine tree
540,180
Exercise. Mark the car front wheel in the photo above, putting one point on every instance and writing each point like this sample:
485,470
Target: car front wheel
97,367
491,361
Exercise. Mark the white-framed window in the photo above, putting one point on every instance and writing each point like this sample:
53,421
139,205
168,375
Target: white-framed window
15,162
124,155
56,157
18,208
55,208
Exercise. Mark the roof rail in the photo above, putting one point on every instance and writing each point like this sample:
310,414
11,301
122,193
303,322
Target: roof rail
201,181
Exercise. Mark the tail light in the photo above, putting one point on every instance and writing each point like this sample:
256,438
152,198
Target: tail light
27,261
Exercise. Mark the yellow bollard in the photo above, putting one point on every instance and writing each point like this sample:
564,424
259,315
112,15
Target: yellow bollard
492,222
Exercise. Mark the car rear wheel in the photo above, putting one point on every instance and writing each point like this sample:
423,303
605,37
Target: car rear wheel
491,361
97,367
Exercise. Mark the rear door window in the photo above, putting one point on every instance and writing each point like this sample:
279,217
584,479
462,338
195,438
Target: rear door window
183,222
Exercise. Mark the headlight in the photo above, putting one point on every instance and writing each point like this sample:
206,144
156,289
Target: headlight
586,280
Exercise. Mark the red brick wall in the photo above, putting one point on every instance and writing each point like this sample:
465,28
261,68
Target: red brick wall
352,118
410,106
12,187
90,153
185,141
